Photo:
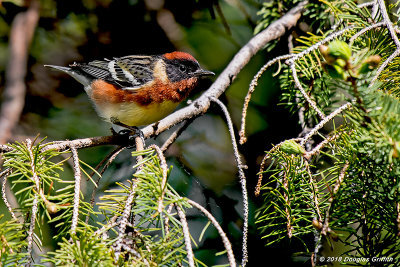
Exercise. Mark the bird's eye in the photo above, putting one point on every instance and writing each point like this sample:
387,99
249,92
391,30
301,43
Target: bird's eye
182,68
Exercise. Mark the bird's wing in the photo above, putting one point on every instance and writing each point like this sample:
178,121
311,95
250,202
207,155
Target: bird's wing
130,72
136,70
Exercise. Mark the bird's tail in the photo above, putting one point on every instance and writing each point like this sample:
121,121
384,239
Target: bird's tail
77,75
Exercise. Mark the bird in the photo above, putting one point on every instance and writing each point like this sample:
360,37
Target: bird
137,90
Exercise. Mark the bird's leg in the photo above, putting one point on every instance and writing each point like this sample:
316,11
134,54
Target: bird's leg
129,129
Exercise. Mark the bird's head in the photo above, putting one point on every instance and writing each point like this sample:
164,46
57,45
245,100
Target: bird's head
181,66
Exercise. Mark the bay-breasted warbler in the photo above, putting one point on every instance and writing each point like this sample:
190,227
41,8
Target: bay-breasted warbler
134,91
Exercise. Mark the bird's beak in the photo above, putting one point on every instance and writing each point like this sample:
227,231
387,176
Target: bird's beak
202,72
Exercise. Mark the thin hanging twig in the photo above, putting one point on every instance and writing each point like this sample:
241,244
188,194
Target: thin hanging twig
242,177
77,190
225,240
164,167
171,139
186,234
252,87
3,175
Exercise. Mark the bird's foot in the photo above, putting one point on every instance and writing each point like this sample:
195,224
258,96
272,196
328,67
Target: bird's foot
131,132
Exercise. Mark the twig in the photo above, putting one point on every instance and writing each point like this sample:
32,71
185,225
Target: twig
392,31
5,148
262,165
35,203
124,221
324,121
84,142
316,45
29,239
171,139
110,158
242,179
303,92
221,232
325,228
368,4
3,175
314,190
133,252
77,176
111,223
388,22
252,88
384,65
398,218
21,34
166,221
321,145
364,30
139,147
289,226
164,167
186,234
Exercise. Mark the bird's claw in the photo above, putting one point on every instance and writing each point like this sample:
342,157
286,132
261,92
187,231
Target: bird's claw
129,134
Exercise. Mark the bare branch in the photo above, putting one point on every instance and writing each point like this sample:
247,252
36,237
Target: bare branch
166,221
388,22
139,147
316,45
321,145
85,142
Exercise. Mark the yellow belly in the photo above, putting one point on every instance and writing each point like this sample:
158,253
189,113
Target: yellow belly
135,115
